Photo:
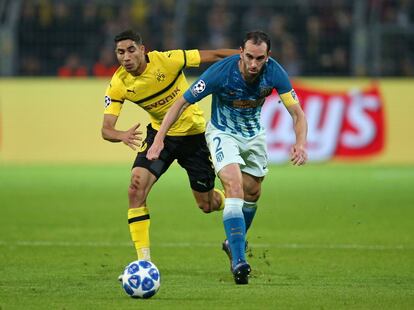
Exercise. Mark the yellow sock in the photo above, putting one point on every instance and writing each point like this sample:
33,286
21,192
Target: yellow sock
139,223
223,197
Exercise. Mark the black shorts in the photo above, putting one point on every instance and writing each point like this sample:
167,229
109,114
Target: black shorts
191,152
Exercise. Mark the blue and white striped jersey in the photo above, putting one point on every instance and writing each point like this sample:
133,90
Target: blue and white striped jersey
236,105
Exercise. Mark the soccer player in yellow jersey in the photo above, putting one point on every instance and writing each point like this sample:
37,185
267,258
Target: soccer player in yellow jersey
153,81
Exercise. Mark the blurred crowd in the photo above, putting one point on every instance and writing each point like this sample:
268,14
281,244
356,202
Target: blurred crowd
71,38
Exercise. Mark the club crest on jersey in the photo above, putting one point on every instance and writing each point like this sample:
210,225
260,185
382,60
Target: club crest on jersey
266,91
219,156
198,88
108,101
159,76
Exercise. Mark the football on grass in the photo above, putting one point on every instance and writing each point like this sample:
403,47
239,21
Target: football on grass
141,279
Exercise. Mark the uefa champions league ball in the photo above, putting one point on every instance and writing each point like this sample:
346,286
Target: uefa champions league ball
141,279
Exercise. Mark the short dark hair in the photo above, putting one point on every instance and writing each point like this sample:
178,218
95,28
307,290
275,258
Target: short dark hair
257,37
128,35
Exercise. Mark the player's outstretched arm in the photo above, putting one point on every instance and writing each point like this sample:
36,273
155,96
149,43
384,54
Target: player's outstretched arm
215,55
298,151
170,118
129,137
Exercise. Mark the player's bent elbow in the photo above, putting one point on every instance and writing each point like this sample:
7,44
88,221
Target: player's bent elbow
107,137
104,135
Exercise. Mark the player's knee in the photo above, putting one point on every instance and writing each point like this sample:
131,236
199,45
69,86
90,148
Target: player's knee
234,191
232,183
136,188
132,191
252,194
205,207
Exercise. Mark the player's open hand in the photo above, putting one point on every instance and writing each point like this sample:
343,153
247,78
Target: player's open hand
155,150
298,155
132,136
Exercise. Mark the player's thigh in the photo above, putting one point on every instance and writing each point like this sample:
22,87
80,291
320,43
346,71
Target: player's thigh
254,154
194,156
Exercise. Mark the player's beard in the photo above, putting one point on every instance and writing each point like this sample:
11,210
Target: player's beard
251,77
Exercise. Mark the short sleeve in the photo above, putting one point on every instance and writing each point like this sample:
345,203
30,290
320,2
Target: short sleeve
283,86
180,59
193,58
114,98
205,85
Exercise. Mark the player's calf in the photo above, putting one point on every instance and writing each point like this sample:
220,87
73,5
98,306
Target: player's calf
205,207
210,201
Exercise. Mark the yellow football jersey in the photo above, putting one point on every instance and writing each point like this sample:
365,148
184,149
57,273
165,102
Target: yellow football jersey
156,89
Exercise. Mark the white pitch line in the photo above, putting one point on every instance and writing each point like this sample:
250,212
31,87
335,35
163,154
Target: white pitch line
209,245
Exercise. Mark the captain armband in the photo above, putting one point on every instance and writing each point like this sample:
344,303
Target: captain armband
289,98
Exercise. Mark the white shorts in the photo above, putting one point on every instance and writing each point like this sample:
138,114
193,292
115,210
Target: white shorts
226,148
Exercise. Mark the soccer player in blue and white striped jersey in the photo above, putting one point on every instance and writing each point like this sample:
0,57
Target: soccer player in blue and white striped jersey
239,85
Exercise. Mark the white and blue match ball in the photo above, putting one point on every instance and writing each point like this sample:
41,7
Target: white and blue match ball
141,279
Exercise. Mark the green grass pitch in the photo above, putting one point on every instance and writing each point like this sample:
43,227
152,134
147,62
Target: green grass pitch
324,237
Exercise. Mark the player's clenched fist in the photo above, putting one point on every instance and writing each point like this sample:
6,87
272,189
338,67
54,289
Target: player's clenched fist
155,150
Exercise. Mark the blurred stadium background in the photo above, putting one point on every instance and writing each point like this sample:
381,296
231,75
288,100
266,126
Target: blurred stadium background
356,57
334,234
311,38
